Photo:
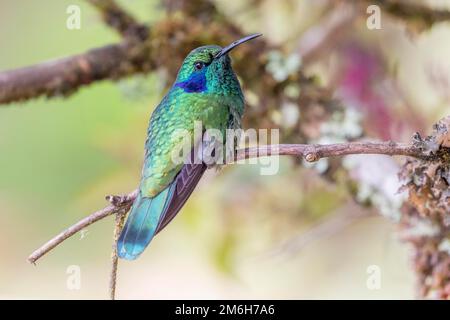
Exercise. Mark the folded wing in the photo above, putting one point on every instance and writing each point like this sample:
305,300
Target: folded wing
148,216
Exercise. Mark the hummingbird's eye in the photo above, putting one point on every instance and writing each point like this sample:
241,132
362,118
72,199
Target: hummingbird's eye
199,65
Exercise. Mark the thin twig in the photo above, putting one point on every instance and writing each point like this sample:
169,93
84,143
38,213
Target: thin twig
83,223
310,153
119,222
62,77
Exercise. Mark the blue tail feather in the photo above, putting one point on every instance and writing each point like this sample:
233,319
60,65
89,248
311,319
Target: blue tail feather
149,216
142,223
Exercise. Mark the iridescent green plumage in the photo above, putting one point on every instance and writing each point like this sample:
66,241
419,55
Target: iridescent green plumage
206,90
179,110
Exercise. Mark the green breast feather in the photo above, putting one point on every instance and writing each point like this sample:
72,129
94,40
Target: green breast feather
178,113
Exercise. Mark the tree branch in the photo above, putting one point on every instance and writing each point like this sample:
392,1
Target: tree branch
310,153
61,77
118,203
120,20
64,76
138,53
314,152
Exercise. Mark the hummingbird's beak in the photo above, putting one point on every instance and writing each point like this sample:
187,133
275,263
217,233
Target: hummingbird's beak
235,44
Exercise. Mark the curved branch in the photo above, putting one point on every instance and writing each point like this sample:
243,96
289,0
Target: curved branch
117,204
310,153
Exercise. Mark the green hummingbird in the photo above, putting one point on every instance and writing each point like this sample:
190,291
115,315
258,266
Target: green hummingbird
206,90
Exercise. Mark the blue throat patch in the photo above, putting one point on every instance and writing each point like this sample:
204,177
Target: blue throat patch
195,83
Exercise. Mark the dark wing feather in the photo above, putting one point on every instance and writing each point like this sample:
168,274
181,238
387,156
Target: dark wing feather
184,183
148,216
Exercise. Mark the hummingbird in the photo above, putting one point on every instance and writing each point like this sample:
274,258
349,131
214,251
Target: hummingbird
206,90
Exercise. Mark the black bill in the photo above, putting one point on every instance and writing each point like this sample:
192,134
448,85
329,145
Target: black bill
235,44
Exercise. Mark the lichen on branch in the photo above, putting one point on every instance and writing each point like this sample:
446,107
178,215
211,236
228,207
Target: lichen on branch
425,222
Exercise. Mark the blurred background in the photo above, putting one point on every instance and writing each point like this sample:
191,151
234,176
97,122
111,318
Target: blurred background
308,232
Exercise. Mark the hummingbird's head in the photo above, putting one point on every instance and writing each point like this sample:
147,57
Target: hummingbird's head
208,69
